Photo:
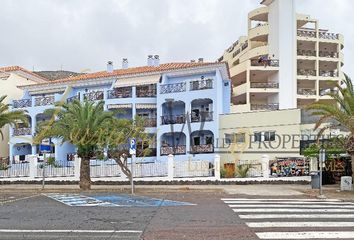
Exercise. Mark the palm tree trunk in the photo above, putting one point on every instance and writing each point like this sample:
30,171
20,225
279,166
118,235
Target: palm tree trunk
352,155
85,179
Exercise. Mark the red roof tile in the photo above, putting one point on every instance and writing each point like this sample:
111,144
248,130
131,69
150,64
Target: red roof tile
18,68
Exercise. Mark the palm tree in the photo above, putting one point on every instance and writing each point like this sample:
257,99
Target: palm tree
81,124
341,114
8,117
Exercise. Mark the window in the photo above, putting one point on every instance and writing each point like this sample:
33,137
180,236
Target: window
208,140
229,138
269,136
240,137
258,136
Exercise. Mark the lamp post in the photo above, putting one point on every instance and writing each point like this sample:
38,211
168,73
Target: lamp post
322,158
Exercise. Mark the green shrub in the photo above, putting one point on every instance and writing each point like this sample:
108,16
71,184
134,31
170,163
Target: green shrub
242,170
222,172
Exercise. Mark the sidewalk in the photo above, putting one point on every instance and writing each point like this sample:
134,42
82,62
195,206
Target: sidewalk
275,190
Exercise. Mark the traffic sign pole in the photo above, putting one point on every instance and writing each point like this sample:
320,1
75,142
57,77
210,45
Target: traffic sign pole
322,159
132,151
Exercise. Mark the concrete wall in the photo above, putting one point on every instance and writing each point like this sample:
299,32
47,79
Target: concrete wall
283,122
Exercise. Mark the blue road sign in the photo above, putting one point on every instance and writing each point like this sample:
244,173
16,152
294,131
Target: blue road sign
132,148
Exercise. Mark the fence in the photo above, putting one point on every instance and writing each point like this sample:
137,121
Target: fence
193,168
56,169
14,170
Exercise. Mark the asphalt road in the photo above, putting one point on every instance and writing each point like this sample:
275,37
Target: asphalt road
214,215
40,217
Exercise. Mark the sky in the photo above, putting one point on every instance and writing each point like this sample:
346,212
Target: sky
82,35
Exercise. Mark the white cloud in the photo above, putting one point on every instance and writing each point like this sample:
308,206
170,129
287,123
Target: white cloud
81,34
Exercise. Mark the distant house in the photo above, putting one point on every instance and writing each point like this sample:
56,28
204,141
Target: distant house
10,78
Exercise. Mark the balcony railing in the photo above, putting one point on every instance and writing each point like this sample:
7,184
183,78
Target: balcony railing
172,88
93,96
328,54
73,98
176,119
324,92
146,92
327,35
265,62
22,103
264,85
306,91
44,101
329,73
119,93
267,106
150,122
22,131
309,53
306,72
201,84
306,33
176,150
202,117
203,148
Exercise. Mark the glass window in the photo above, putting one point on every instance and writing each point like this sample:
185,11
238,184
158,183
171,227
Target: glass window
240,137
258,136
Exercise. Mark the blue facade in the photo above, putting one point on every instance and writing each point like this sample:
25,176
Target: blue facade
181,108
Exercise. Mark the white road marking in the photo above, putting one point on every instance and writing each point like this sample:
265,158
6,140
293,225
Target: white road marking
290,210
287,202
299,224
291,216
289,206
67,231
281,199
305,235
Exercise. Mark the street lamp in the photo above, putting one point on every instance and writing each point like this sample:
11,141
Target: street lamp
322,159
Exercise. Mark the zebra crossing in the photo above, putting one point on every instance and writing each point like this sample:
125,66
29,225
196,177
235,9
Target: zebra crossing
283,218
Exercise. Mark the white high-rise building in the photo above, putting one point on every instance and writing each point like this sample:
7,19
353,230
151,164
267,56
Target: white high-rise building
286,61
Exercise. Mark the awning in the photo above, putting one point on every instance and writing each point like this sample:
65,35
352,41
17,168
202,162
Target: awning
134,81
145,106
119,106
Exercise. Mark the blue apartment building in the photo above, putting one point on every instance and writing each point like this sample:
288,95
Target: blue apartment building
180,102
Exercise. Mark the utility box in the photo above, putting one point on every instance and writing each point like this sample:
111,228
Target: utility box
346,183
315,180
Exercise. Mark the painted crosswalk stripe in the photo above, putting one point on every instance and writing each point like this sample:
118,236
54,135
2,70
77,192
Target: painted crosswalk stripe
66,231
306,235
298,224
281,199
291,210
286,202
288,206
297,216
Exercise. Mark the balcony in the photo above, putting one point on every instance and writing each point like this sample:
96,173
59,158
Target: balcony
267,106
73,98
146,91
306,33
325,92
328,54
327,35
201,84
173,88
202,117
308,53
44,101
306,91
125,92
329,73
150,122
264,85
22,131
306,72
176,150
23,103
93,96
203,148
265,63
176,119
